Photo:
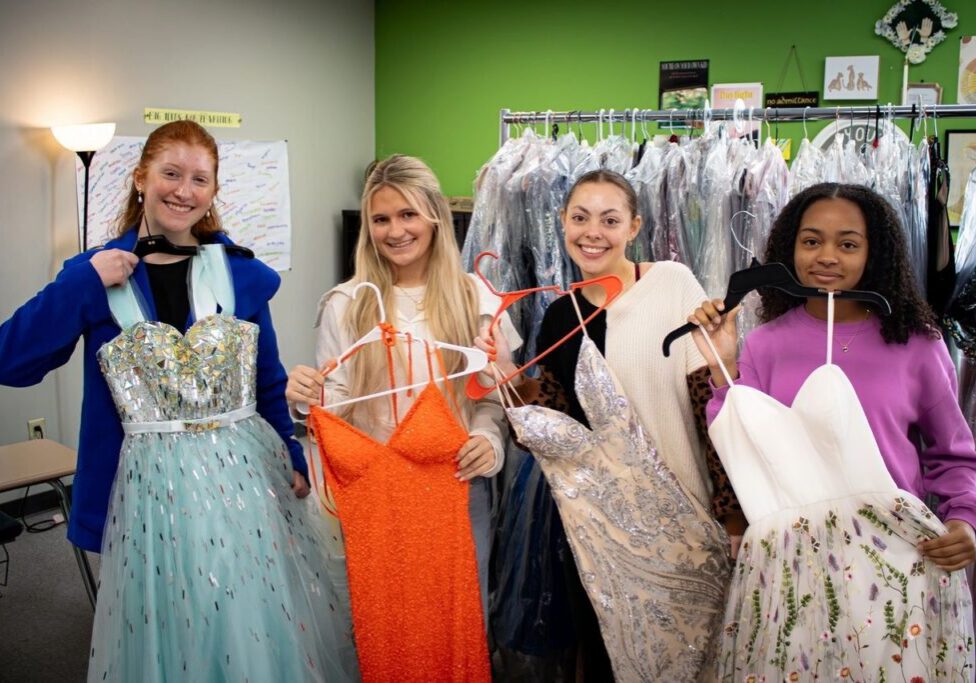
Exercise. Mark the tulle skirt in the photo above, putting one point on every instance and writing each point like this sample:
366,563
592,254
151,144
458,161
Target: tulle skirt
212,569
838,590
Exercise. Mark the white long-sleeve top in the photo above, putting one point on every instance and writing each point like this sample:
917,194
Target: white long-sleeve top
485,417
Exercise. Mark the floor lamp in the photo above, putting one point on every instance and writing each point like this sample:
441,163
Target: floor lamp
84,140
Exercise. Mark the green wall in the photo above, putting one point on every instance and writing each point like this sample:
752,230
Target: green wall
444,69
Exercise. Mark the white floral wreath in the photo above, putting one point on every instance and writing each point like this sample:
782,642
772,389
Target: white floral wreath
916,41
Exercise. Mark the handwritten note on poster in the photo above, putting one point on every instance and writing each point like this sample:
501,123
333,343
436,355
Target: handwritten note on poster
254,202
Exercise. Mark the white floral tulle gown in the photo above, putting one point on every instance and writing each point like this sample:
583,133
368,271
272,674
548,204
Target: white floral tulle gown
829,584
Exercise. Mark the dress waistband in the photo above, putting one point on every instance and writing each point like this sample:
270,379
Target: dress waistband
201,424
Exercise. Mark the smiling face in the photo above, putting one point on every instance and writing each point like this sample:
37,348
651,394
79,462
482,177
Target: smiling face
179,184
831,249
598,222
401,235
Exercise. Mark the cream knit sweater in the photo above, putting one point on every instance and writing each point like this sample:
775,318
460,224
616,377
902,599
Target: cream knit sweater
637,323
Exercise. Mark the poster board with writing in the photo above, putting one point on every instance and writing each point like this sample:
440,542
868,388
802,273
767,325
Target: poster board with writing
254,201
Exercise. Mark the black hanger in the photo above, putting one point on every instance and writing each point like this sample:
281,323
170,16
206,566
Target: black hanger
159,244
777,276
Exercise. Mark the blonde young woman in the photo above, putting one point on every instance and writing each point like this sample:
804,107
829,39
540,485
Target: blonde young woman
407,248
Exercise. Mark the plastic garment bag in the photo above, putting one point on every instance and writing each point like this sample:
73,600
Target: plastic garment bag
488,229
916,211
961,318
714,262
545,188
764,189
645,177
807,168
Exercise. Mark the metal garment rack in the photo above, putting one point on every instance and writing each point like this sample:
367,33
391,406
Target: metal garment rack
507,117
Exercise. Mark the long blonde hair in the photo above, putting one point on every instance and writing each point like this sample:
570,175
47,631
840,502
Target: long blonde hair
450,301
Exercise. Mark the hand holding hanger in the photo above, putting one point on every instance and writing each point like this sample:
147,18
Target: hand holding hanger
777,276
301,381
610,283
492,341
304,386
114,266
160,244
711,319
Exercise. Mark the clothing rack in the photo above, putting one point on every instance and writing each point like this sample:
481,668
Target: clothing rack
507,117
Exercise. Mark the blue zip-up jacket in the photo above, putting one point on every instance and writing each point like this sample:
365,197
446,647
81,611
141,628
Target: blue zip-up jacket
42,334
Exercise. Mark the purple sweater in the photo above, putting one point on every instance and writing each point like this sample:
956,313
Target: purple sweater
907,390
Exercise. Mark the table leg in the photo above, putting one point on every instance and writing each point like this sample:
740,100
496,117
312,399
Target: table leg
83,566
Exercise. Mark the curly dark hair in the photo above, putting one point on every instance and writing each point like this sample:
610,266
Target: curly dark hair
887,271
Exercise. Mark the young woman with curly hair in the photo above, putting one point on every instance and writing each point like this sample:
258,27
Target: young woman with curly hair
830,460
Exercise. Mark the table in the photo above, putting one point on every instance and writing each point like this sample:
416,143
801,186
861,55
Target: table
42,461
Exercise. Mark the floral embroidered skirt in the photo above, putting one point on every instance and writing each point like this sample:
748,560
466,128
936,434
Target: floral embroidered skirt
838,590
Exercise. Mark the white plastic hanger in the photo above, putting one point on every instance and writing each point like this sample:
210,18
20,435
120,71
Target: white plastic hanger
477,360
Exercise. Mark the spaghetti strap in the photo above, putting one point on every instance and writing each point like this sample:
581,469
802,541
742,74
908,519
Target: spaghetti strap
721,365
448,388
210,283
830,328
579,313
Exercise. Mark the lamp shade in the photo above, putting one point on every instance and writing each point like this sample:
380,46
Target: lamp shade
85,137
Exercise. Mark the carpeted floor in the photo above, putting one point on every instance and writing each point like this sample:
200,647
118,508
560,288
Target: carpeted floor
45,616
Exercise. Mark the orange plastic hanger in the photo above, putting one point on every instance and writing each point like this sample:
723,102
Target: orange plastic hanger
610,283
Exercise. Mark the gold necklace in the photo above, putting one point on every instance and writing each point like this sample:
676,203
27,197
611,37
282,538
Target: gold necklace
843,347
418,303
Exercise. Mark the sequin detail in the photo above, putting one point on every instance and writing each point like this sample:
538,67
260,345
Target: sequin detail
211,568
155,373
410,552
653,562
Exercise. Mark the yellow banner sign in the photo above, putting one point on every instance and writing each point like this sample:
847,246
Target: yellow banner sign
218,119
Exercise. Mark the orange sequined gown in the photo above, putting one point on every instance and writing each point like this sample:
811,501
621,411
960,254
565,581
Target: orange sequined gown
410,553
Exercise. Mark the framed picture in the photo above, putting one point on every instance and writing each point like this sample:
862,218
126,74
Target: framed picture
967,70
683,85
851,78
923,94
961,156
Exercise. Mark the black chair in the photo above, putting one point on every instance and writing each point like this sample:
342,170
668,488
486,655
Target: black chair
10,529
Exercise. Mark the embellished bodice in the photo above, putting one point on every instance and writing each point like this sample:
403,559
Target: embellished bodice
156,374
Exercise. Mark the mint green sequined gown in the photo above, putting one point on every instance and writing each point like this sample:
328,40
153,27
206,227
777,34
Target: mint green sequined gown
211,569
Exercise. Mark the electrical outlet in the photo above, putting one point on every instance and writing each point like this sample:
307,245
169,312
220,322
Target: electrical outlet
36,428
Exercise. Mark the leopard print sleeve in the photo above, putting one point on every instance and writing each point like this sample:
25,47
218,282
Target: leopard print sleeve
724,502
550,393
544,391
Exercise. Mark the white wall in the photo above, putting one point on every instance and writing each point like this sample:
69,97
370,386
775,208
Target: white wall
301,70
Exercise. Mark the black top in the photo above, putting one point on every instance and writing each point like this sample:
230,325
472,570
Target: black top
558,320
171,292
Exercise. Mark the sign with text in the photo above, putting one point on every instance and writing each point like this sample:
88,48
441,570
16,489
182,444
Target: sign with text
724,95
792,99
254,201
216,119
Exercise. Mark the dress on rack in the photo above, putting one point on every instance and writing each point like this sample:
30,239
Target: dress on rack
211,568
410,553
653,561
829,583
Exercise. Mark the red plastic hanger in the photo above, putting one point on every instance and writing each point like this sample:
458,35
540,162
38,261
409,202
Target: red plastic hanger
610,283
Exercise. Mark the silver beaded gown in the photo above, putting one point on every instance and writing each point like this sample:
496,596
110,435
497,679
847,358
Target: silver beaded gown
211,568
653,561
